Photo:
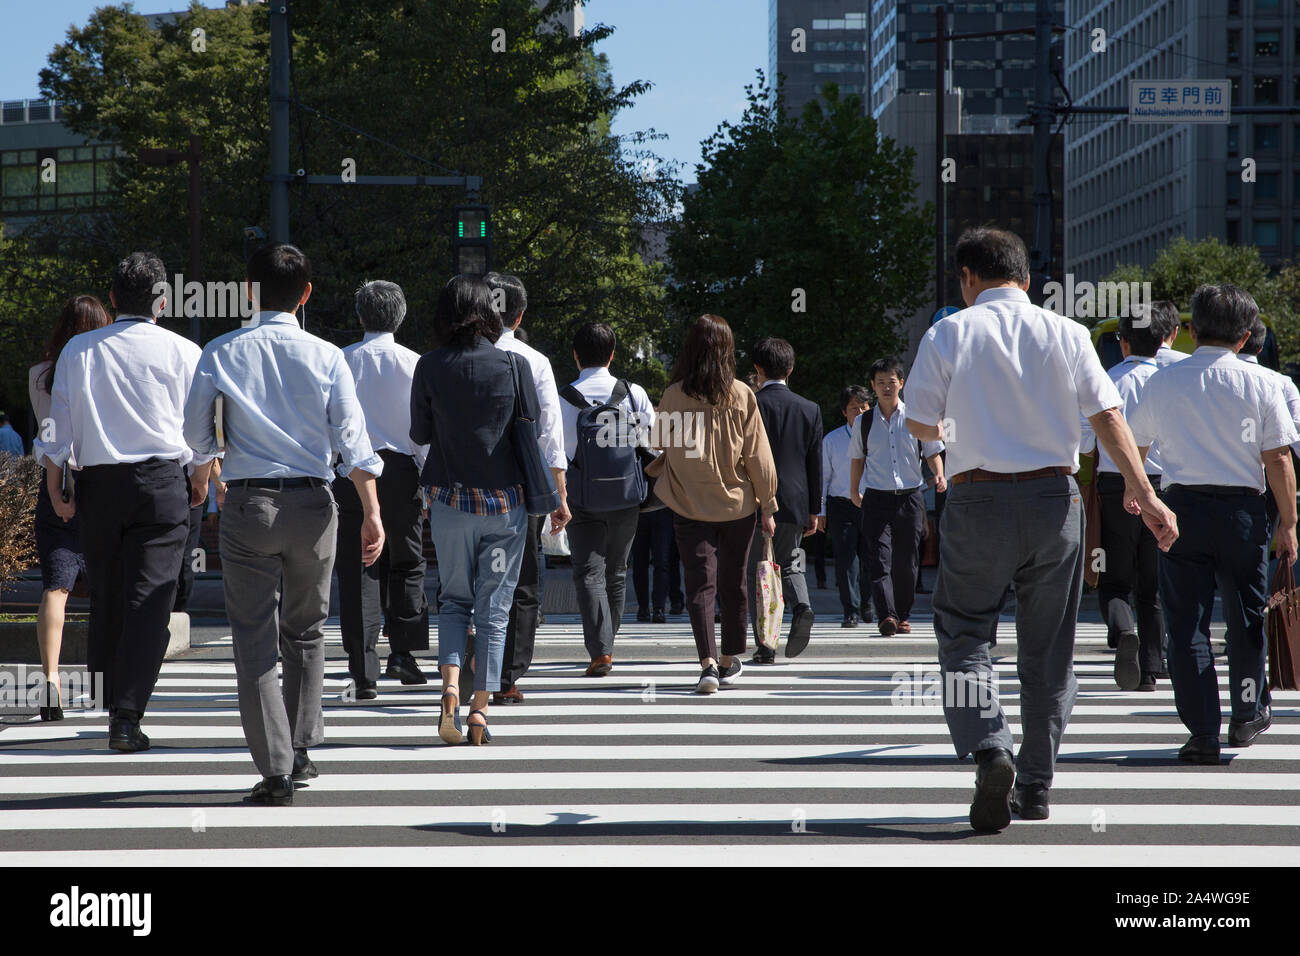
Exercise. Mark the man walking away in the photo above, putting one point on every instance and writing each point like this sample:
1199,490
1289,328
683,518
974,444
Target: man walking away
883,453
1008,381
1165,318
289,408
840,517
1128,549
1222,425
391,590
116,409
521,634
604,420
794,431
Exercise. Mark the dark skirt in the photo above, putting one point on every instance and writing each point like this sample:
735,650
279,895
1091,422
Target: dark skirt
58,545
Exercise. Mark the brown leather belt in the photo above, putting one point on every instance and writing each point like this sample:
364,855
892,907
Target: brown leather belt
979,474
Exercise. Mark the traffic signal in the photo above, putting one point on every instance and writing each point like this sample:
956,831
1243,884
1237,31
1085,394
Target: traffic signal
471,244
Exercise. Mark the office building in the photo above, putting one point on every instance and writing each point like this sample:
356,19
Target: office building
1133,187
831,48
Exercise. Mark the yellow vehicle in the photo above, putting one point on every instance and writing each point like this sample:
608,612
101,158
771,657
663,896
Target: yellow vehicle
1105,338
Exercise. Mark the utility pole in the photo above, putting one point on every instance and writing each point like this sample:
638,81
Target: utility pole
279,120
1042,115
940,199
194,156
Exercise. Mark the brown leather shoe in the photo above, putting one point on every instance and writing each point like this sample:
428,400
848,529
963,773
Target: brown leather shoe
904,627
511,696
600,666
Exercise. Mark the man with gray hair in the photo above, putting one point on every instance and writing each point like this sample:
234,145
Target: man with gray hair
392,587
1223,428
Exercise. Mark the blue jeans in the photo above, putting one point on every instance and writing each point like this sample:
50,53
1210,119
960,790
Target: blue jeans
478,567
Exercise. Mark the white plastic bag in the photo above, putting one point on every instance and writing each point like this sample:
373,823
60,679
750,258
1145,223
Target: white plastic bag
554,545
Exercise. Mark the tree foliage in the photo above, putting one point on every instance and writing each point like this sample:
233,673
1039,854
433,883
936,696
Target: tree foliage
815,214
397,88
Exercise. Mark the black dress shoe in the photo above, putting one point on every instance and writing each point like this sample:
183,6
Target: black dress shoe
303,768
676,609
864,614
125,735
643,616
850,620
764,655
404,668
800,630
1030,802
659,617
272,792
995,772
366,691
1201,748
1148,682
1243,734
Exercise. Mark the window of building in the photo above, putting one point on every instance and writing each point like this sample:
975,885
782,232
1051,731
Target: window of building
1263,6
1233,191
1266,91
1234,8
1234,139
837,67
1265,233
1233,232
1295,237
1234,46
1267,187
1268,136
1268,42
839,46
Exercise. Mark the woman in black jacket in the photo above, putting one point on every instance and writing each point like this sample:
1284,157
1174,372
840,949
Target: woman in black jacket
462,404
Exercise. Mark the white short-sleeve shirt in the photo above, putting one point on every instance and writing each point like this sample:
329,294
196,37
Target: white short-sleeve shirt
1213,416
1009,380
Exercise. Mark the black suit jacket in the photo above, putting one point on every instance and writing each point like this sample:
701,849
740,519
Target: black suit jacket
794,430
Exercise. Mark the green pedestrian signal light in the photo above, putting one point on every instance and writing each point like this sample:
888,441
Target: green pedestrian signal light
471,247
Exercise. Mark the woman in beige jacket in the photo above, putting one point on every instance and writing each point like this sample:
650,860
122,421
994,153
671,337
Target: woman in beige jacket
716,475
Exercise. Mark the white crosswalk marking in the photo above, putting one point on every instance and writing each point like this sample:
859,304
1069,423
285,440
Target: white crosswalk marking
812,761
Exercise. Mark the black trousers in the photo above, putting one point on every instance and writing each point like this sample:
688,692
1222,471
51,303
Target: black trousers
892,525
134,522
521,632
655,543
185,583
391,591
715,559
1223,541
849,547
1130,551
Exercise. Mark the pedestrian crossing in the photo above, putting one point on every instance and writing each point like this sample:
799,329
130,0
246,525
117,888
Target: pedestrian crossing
832,759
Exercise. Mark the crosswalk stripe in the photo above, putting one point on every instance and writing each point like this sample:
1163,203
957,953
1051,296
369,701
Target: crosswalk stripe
959,778
854,854
589,816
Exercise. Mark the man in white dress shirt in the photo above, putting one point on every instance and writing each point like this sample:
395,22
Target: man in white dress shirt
1290,394
1222,426
1166,323
841,519
521,633
1003,383
884,454
117,408
1128,558
600,535
390,591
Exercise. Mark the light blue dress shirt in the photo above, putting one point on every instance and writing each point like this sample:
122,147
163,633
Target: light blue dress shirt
289,404
10,440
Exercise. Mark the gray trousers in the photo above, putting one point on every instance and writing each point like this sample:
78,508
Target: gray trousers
600,543
995,533
277,552
787,539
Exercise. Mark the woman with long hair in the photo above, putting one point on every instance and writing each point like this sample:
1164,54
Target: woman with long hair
58,542
462,406
716,474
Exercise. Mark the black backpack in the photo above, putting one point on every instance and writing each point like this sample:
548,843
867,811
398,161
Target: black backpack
605,473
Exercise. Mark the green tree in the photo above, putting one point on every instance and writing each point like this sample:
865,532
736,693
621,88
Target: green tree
397,89
1180,267
804,229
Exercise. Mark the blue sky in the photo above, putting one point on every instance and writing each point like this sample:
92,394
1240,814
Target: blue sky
699,54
